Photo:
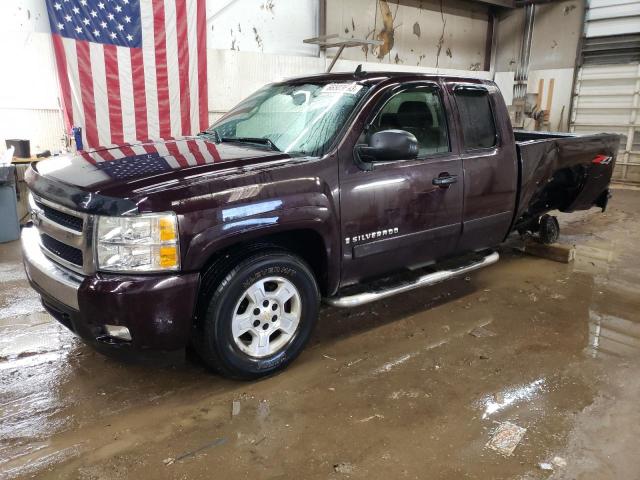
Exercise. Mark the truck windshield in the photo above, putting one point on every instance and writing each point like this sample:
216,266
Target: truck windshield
299,119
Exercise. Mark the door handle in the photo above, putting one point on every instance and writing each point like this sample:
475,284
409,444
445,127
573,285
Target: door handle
444,180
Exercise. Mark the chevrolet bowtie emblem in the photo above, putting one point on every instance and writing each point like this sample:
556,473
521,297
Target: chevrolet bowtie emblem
35,218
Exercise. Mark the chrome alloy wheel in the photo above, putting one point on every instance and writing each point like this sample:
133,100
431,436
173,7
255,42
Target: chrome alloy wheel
266,317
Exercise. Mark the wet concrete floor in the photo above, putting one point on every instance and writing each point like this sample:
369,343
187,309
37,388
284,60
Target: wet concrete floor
396,389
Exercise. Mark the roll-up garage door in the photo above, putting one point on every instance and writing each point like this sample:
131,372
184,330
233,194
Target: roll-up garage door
607,88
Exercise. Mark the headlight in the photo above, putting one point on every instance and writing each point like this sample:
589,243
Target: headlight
141,243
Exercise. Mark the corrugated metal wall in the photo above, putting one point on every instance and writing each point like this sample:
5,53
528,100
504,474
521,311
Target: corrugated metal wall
607,89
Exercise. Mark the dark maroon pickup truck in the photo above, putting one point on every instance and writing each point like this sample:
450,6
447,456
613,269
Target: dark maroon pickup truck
345,187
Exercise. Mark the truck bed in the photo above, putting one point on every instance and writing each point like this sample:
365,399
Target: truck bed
562,171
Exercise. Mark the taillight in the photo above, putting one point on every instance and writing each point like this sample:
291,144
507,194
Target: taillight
602,160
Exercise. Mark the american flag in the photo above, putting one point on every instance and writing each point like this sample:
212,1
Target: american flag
152,157
131,69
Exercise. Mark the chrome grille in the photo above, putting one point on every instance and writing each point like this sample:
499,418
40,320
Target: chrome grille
64,219
65,234
67,253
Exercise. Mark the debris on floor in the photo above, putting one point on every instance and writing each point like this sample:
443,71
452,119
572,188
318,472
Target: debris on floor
559,462
376,415
343,467
506,438
263,409
193,453
556,463
482,331
354,362
235,408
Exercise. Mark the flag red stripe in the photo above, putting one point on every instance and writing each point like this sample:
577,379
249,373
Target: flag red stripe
175,153
183,66
201,23
149,148
139,94
63,77
104,153
162,74
86,89
213,151
87,157
127,151
193,148
113,93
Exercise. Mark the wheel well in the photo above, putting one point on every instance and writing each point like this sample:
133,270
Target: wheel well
307,244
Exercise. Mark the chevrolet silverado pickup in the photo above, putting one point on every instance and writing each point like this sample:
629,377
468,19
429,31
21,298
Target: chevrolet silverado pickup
342,187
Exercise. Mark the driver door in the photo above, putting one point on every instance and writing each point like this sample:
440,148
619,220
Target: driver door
394,216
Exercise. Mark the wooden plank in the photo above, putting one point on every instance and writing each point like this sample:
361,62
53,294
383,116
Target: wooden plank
557,252
547,112
19,160
540,93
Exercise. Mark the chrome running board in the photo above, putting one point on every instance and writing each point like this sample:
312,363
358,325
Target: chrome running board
422,281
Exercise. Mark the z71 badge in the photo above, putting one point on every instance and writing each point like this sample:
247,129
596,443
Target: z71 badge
371,236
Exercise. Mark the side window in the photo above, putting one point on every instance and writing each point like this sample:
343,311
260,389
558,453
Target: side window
419,111
478,124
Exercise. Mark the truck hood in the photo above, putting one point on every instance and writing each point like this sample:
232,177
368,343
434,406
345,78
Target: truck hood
119,168
108,179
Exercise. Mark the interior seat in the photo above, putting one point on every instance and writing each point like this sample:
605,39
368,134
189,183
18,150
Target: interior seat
416,117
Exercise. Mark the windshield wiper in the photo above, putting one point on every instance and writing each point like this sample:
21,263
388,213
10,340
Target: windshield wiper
214,132
259,140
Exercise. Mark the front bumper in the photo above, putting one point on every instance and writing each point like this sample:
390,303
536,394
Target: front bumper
157,309
47,276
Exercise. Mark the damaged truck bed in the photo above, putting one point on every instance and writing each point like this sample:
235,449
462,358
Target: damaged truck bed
560,171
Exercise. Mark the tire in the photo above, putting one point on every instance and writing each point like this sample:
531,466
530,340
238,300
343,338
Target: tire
549,229
253,292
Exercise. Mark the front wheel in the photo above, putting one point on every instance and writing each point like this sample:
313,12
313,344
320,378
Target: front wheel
259,317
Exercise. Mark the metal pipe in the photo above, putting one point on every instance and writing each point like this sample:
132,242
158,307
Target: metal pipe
335,58
489,40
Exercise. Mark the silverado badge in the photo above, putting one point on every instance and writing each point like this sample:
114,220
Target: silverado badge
371,235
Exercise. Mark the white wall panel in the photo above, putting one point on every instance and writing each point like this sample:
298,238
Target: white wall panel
263,25
234,75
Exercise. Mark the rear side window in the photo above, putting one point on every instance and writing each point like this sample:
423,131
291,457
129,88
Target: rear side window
478,124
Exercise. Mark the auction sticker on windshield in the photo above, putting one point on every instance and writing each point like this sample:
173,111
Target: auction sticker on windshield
341,88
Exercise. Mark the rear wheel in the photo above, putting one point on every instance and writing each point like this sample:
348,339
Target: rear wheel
548,229
259,317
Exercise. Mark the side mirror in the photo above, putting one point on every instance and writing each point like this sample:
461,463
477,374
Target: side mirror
388,145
